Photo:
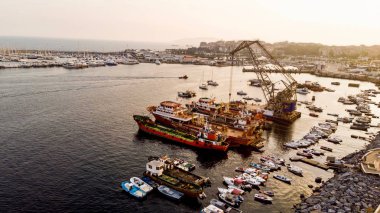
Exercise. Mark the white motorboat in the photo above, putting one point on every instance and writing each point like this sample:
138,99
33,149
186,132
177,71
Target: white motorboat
334,139
241,92
282,178
229,199
263,198
212,83
141,184
211,209
295,170
303,91
236,190
203,86
247,98
291,144
233,192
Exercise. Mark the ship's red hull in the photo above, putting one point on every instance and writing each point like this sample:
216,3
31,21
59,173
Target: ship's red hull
193,143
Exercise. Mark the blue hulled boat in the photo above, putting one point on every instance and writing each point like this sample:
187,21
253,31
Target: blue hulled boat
133,190
170,193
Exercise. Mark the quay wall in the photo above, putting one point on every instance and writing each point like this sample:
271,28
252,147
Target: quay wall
350,190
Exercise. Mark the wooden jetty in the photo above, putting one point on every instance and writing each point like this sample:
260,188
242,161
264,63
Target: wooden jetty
315,163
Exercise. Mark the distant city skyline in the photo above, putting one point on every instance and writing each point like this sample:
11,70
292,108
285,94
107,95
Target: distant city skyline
328,22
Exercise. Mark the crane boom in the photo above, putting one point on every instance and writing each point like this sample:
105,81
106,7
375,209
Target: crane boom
283,102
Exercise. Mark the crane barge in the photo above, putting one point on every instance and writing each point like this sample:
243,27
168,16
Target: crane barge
281,103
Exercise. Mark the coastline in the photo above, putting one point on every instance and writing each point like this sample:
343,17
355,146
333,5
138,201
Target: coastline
328,74
350,190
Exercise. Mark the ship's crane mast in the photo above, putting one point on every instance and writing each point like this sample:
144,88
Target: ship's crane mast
283,102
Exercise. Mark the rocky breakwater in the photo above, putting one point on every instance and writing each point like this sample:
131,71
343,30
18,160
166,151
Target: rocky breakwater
350,190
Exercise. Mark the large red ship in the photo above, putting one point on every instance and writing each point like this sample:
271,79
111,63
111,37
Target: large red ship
206,138
240,127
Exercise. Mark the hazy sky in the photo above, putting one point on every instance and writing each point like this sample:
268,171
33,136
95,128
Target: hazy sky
323,21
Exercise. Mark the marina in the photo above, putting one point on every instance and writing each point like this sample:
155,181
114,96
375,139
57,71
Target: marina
118,78
161,106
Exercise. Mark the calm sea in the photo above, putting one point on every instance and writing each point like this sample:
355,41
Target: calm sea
68,138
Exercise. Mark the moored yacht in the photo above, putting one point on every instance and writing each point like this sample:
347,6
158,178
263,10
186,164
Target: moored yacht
203,86
212,83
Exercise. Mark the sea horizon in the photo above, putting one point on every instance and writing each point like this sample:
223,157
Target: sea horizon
69,44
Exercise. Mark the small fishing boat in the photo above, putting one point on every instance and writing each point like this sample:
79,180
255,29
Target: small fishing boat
141,184
303,91
263,198
333,114
295,170
314,152
335,83
269,193
211,209
170,193
247,98
236,190
150,182
329,90
212,83
226,208
305,154
229,199
250,180
240,169
133,190
229,181
203,87
331,121
326,148
315,108
359,127
257,99
232,192
283,178
186,94
348,102
335,140
184,77
261,167
276,160
241,92
157,62
273,166
237,182
313,114
292,145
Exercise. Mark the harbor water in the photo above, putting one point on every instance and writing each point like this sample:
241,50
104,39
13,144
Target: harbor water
68,138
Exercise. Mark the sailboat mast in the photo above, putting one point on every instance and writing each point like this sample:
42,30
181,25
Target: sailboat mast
230,88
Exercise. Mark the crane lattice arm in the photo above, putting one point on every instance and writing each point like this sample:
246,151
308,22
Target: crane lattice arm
276,102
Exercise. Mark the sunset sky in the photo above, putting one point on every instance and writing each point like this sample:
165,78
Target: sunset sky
338,22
